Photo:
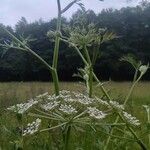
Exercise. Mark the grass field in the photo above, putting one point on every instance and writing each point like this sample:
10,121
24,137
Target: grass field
16,92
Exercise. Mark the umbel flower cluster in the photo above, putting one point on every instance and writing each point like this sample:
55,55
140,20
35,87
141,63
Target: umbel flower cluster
71,105
32,127
131,119
23,107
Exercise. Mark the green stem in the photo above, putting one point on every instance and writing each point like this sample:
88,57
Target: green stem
68,6
135,75
86,61
148,120
90,81
136,137
77,50
87,55
134,80
101,86
131,90
26,48
56,81
67,136
56,51
52,128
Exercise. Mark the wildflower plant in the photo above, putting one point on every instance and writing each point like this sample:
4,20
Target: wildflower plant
70,110
67,111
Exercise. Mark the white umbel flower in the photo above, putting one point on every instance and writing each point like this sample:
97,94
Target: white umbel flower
68,109
23,107
32,127
95,113
67,96
64,92
70,100
116,105
83,99
52,97
50,105
130,119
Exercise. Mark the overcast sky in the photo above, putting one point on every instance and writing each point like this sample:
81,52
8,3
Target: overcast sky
12,10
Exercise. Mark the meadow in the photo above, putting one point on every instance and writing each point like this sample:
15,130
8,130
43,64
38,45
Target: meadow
90,139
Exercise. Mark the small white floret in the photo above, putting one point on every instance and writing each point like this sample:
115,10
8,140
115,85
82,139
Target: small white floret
50,105
32,127
95,113
68,109
130,119
23,107
116,105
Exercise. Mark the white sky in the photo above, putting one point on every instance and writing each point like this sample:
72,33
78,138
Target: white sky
12,10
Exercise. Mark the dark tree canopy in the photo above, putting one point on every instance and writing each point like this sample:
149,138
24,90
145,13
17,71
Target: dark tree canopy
131,24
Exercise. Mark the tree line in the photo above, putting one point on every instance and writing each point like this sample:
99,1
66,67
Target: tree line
131,25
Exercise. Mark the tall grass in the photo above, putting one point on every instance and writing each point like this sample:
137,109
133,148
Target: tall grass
16,92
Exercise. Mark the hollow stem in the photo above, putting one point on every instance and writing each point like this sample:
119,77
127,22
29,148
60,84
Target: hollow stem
90,80
56,51
56,81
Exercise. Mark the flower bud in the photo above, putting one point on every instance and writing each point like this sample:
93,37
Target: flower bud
143,69
51,34
86,77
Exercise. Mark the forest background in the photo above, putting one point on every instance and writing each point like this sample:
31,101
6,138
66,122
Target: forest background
131,25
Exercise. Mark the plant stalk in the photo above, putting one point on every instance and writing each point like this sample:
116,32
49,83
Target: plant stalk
148,121
67,136
26,48
90,80
56,51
